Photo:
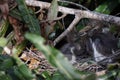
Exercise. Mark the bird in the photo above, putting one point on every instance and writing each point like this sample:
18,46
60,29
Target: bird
70,50
103,45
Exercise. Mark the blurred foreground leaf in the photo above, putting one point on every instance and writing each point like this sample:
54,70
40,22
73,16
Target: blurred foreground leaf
56,58
3,27
53,10
12,68
3,76
3,42
21,69
16,14
21,47
107,6
29,17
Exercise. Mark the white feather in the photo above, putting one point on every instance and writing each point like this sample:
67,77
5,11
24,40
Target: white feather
97,55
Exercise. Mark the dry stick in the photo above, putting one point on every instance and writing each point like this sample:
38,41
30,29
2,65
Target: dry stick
72,25
58,18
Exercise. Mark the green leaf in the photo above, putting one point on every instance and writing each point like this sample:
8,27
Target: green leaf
1,49
3,42
4,76
18,74
16,14
53,10
21,67
52,15
29,17
107,7
56,58
20,47
9,38
46,75
3,27
118,76
58,76
6,64
25,72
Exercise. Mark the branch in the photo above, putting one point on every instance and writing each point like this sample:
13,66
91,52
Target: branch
79,14
72,25
99,16
84,14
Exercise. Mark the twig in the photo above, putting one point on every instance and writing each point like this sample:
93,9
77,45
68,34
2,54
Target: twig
85,29
61,17
72,25
58,18
74,4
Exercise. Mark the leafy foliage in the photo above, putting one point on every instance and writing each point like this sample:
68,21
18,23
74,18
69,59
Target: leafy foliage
107,6
29,17
11,70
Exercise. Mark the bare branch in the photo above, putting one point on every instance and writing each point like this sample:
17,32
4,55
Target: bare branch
99,16
84,14
70,28
58,18
79,14
45,5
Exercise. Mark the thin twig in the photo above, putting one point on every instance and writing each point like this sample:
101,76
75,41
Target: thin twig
58,18
70,28
74,4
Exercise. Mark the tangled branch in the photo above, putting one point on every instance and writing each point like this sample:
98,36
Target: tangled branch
79,14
